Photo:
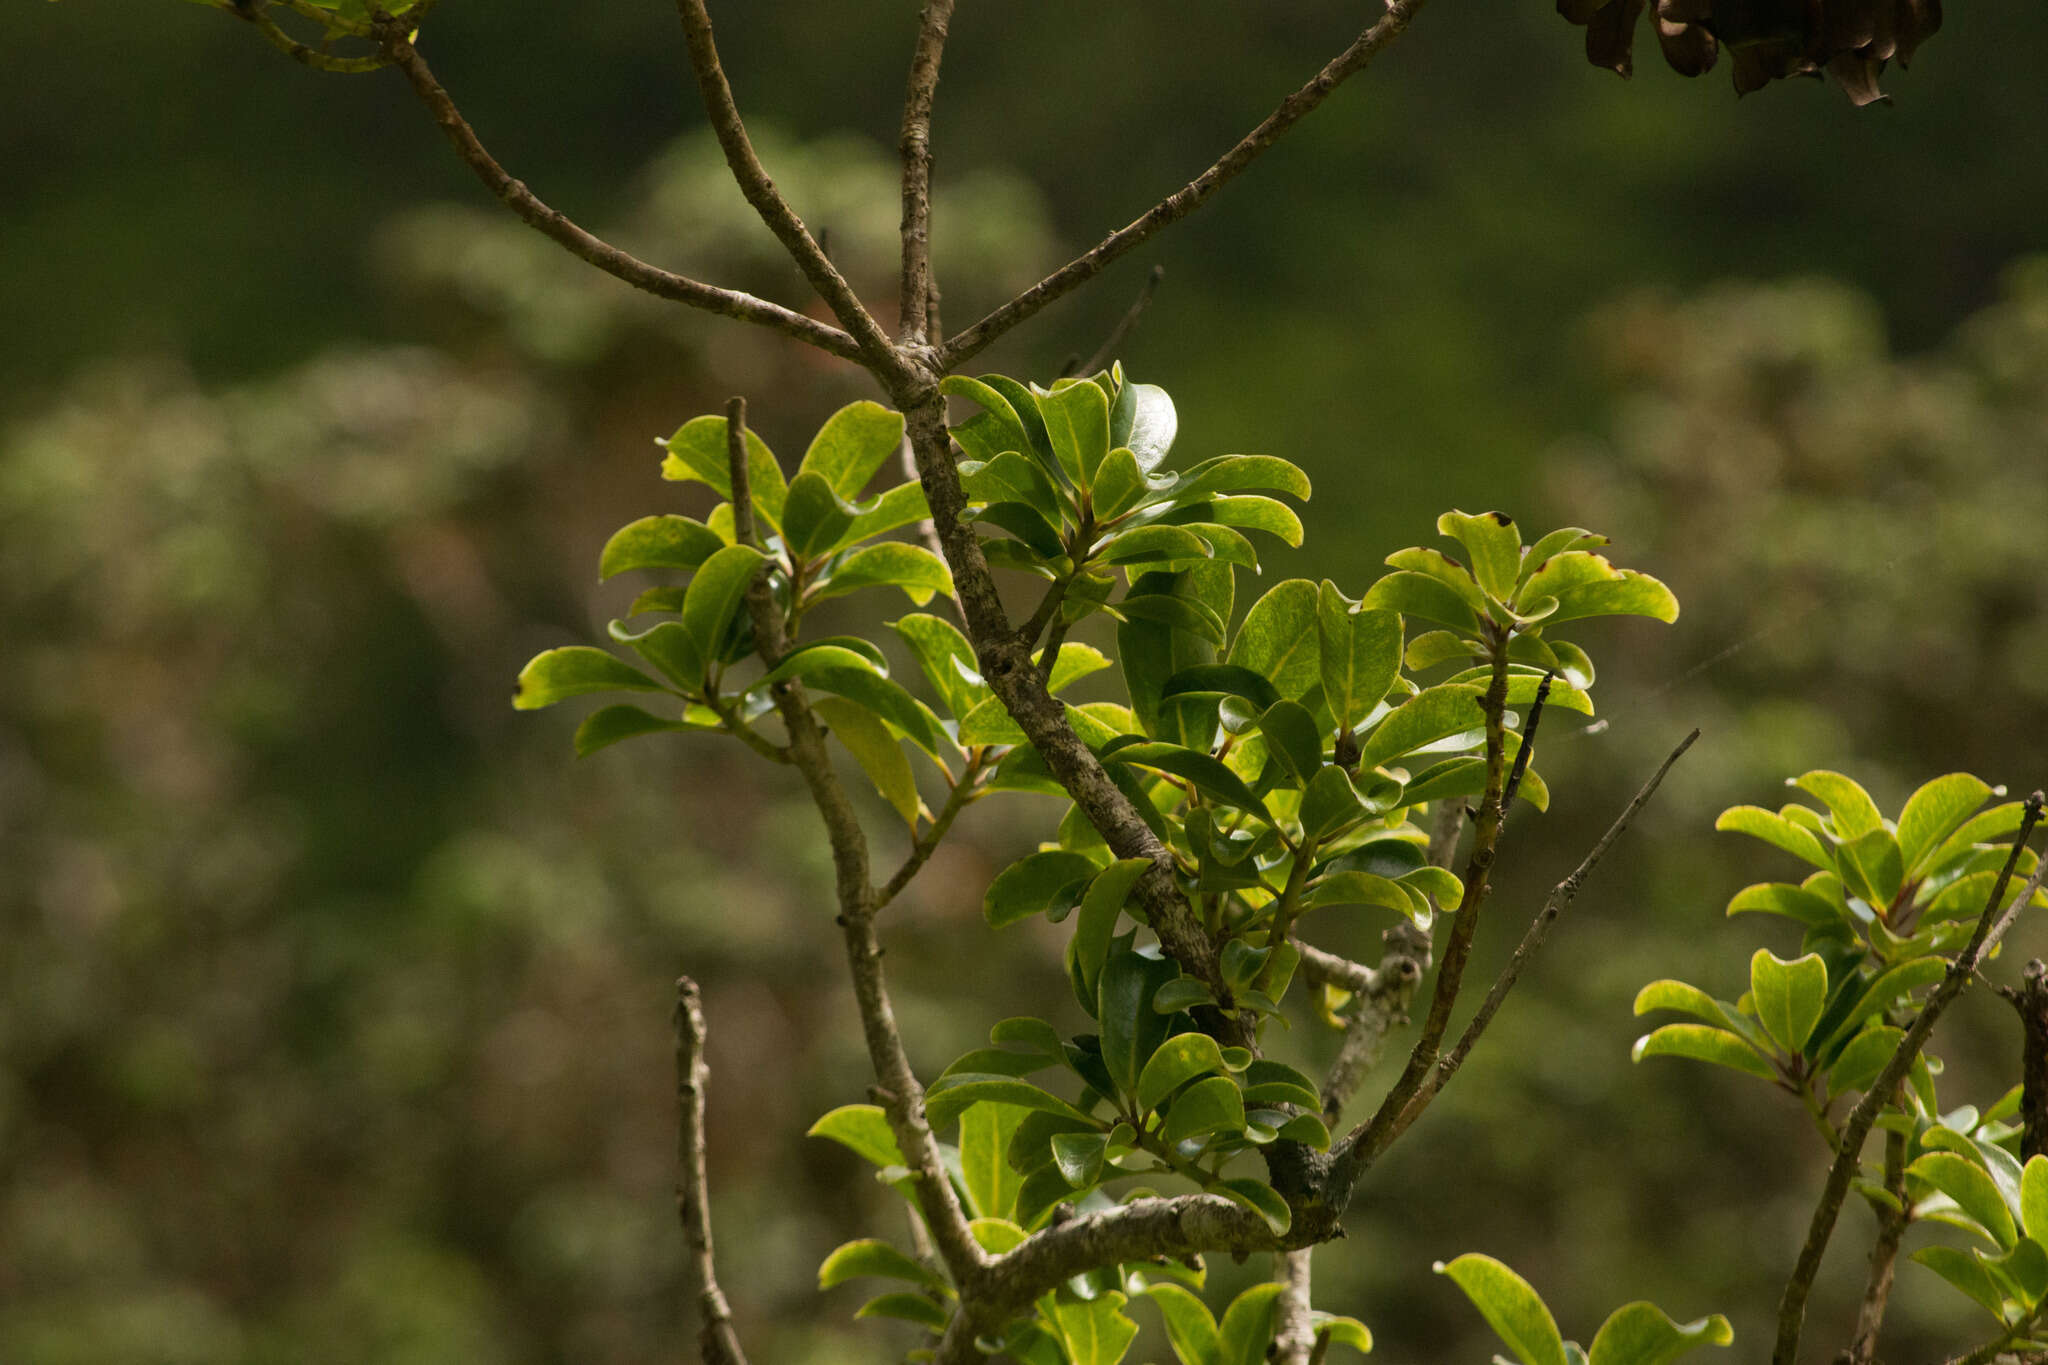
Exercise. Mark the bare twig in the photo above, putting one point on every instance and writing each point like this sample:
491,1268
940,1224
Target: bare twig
1849,1154
1125,325
914,305
1190,196
1884,1254
902,1096
1294,1337
1559,900
927,843
760,191
2030,1002
1528,745
731,303
716,1339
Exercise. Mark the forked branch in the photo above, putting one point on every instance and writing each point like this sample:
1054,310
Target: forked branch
399,50
1190,196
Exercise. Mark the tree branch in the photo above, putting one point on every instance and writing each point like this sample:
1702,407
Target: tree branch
1190,196
914,305
1849,1154
716,1340
1383,995
1294,1337
1559,900
1884,1254
732,303
922,848
901,1095
760,191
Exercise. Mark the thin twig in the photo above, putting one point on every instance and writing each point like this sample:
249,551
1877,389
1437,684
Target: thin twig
921,850
716,1339
1528,745
902,1096
740,157
1849,1155
1884,1254
558,228
1125,325
915,145
1190,196
1559,900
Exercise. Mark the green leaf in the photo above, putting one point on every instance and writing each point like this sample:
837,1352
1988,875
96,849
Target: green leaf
1493,543
1190,1330
1079,1157
2022,1272
1261,1199
1678,996
661,542
1180,613
950,1096
1641,1334
1131,1029
1415,594
1810,908
1278,639
907,1306
1179,1060
1247,1327
697,454
1095,926
947,660
996,1235
1294,738
713,599
1254,513
1035,1034
1229,680
999,426
1209,775
1076,662
1510,1305
878,752
1430,715
893,564
1789,996
1360,655
1234,473
1119,485
854,442
850,675
1212,1106
815,517
1703,1043
1146,422
1632,594
1329,802
1887,987
869,1257
900,506
611,724
1343,1331
1858,1063
1077,423
1974,1191
1872,867
1093,1331
1558,542
1775,829
1967,1273
1032,884
1182,993
1361,888
1269,1083
1855,813
864,1130
2034,1197
1934,812
992,1183
1156,543
572,671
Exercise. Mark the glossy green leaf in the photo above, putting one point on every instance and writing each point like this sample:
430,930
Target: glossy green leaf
714,597
1935,812
1095,925
1260,1198
1246,1331
1119,486
815,516
697,453
1178,1060
1560,541
1702,1043
1209,775
1863,1058
1156,543
854,442
899,506
1079,1157
1415,594
1230,680
864,1130
1973,1190
1144,420
1789,996
996,1235
950,1096
1235,473
1035,1034
992,1183
869,1257
1811,909
946,659
1430,715
1076,662
892,564
907,1307
1640,1334
1190,1330
1294,739
1359,656
1077,423
879,753
1093,1331
1967,1273
1855,814
610,724
1032,884
1342,1331
1330,802
1678,996
2022,1271
1775,829
1227,544
1278,639
1180,613
1632,594
1466,776
1212,1106
1361,888
1267,1082
1494,545
1872,867
1131,1029
660,542
573,671
1255,513
999,426
1883,990
1511,1307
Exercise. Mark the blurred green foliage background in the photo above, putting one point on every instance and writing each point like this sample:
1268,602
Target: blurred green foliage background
333,995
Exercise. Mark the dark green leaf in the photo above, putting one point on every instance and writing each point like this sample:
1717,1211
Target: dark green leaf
1033,1033
1210,776
1156,543
1223,680
1032,884
815,517
714,599
1181,613
1079,1157
1268,1082
1177,1061
1261,1199
949,1096
1212,1106
1131,1029
1294,738
1096,925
